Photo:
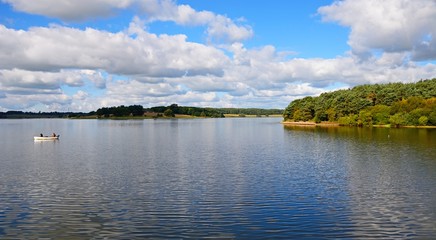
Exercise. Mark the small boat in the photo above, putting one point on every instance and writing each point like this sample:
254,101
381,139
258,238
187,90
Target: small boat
46,138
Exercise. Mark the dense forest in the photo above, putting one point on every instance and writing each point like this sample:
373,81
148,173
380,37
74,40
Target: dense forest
397,104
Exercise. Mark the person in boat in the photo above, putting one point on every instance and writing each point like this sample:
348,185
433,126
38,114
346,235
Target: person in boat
41,135
54,135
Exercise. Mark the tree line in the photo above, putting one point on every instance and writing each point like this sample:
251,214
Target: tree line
139,111
251,111
121,111
170,111
397,104
173,109
21,114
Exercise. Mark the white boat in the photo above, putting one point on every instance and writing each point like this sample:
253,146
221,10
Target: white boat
46,138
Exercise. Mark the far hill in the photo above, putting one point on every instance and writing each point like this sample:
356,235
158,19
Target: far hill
397,104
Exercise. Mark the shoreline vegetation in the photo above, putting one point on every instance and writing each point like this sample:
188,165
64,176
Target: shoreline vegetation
411,105
336,124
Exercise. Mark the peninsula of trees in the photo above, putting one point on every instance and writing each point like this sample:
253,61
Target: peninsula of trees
394,104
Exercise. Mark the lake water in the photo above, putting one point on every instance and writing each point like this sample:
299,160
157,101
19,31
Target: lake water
214,178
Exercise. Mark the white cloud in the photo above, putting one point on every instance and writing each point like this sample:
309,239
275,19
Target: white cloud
23,89
22,79
222,29
70,10
168,10
50,100
64,68
258,77
219,27
136,89
400,26
54,48
80,95
96,77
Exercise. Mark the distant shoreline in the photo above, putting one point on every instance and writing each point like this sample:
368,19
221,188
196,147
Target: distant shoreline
139,112
177,116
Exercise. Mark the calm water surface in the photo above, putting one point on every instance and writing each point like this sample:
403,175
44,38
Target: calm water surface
217,178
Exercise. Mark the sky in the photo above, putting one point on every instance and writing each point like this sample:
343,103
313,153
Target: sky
81,55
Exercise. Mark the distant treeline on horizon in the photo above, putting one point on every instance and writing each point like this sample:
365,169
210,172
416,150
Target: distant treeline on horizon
174,109
138,110
21,114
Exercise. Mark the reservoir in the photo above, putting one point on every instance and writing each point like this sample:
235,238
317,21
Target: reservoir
235,178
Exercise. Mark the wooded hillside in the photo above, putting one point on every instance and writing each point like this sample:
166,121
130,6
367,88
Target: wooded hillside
394,103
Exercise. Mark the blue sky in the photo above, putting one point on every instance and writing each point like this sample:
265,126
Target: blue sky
76,55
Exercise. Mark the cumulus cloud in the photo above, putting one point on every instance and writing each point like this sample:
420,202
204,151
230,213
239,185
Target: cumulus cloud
22,79
23,89
51,101
223,29
134,92
219,27
70,10
136,89
168,10
394,26
39,48
134,70
61,68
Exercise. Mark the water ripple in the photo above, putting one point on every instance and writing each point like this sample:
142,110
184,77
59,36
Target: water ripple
220,179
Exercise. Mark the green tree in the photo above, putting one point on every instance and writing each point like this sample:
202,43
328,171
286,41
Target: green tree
412,118
169,113
331,114
380,114
365,118
136,110
350,120
397,119
422,121
432,119
175,109
297,116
